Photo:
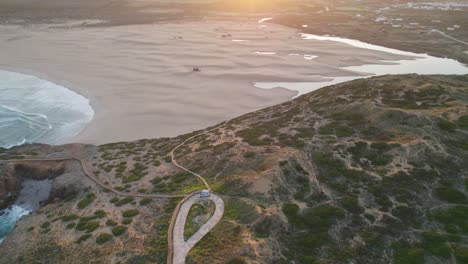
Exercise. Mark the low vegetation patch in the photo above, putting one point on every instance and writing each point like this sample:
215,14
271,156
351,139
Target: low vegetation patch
103,238
83,238
130,213
86,201
119,230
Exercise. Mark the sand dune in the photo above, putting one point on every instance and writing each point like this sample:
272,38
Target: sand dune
140,78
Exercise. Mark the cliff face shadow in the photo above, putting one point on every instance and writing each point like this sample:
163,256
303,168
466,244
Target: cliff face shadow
66,178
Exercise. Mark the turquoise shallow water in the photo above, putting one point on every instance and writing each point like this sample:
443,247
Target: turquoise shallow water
8,219
33,192
33,110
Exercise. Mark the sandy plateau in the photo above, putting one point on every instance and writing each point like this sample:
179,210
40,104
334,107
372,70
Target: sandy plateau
140,78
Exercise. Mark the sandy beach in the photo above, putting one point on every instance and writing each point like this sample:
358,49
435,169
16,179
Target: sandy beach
145,86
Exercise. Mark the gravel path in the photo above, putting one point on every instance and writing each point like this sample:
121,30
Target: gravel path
182,247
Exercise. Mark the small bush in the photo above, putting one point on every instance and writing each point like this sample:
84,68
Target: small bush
145,201
124,201
91,226
119,230
408,255
100,214
437,245
461,254
237,260
83,238
88,226
130,213
71,217
463,121
111,223
127,221
85,202
249,154
103,238
45,225
450,195
447,125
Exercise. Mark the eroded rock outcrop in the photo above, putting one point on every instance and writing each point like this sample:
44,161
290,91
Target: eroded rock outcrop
14,173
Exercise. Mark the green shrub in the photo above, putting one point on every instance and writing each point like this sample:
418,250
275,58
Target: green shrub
447,125
132,178
127,221
88,226
249,155
450,195
145,201
70,217
314,225
100,214
103,238
461,254
71,226
236,260
85,202
83,238
263,228
437,245
403,255
130,213
463,121
111,222
240,211
453,217
91,226
45,225
351,204
290,210
124,201
344,131
119,230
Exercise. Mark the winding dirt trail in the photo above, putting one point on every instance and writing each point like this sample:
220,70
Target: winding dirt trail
178,248
97,181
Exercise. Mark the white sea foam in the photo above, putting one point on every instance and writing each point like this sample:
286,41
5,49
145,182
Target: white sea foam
9,218
32,193
265,52
36,110
264,19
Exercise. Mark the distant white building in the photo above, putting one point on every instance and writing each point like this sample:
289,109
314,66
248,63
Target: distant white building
205,193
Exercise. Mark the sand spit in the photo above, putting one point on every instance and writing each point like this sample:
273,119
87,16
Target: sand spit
140,78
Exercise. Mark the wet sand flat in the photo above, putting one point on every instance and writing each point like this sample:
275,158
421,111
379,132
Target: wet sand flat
140,78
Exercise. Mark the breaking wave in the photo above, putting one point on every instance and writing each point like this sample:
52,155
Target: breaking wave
33,110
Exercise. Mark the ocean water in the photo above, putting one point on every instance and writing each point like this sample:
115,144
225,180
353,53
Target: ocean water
32,193
33,110
9,218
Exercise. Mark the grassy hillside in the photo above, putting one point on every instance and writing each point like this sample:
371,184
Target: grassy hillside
370,171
